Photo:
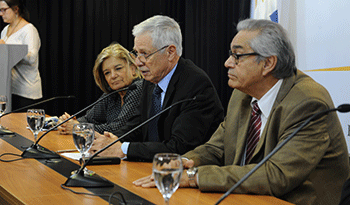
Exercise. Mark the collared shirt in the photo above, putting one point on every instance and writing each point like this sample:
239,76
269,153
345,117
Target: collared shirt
265,104
163,84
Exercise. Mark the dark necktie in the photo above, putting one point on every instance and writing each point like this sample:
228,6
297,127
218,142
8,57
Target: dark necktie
254,131
156,107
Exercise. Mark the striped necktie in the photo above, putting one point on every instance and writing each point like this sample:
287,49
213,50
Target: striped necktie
254,131
156,107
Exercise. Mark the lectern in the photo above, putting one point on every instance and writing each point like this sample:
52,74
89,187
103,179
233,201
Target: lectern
10,55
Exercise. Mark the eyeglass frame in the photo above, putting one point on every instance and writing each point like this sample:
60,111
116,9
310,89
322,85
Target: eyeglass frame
237,56
133,54
3,10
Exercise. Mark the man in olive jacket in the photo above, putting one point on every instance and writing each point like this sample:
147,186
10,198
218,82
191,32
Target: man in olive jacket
312,167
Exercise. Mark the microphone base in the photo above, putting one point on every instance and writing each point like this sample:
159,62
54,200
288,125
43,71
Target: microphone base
80,180
4,131
39,153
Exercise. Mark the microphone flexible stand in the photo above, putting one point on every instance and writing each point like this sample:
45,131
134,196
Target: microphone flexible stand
40,153
78,179
341,108
38,103
6,132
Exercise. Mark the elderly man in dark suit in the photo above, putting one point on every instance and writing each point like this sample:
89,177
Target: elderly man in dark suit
271,100
169,79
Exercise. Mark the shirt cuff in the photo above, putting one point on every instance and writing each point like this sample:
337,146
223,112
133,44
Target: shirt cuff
125,147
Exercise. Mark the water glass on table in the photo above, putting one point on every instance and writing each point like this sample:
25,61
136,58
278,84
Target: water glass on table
167,170
35,121
83,137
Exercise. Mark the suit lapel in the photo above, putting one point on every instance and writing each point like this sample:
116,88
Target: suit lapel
173,81
285,88
243,123
149,98
238,128
168,93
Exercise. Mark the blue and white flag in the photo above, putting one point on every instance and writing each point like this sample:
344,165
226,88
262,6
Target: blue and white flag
274,10
266,9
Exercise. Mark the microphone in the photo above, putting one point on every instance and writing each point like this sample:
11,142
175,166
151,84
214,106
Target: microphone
39,153
340,108
79,180
343,108
6,132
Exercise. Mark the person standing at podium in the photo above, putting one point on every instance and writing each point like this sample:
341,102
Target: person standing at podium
26,81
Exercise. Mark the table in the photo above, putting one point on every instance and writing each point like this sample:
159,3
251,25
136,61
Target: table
32,181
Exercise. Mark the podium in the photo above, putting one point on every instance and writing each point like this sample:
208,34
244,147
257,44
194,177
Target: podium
10,55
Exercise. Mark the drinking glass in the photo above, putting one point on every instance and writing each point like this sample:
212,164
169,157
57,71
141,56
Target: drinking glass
83,137
167,171
35,121
3,101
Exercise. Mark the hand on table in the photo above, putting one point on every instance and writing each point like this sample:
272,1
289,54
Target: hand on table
102,141
67,127
148,182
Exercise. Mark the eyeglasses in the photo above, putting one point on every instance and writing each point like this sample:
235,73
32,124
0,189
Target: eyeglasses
3,10
237,56
143,56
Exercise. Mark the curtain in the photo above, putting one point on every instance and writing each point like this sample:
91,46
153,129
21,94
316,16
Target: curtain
73,33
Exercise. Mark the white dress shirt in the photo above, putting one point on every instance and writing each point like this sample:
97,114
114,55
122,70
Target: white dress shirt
163,84
265,104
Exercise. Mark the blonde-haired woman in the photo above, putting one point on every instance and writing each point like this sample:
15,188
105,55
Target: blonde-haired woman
114,69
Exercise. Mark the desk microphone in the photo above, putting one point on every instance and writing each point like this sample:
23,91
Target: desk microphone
79,180
28,106
340,108
39,153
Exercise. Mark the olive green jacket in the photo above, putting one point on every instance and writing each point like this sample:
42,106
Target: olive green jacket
310,169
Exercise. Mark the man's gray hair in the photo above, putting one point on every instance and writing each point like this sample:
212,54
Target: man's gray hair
272,40
163,30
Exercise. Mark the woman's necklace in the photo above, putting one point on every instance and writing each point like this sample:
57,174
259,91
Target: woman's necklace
9,34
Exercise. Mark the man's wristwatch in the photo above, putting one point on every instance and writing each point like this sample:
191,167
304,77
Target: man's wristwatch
191,173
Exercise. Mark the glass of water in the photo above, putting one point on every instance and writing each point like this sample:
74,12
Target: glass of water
83,137
167,170
3,102
35,121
